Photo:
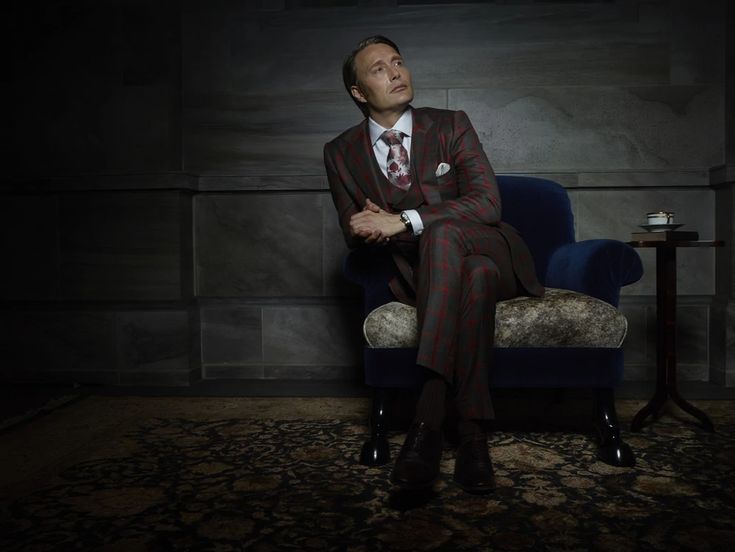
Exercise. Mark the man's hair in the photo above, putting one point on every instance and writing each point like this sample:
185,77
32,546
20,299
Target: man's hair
349,71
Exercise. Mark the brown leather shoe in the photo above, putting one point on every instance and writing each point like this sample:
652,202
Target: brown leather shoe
417,465
473,469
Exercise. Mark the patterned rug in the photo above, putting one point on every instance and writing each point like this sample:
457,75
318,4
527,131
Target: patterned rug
281,474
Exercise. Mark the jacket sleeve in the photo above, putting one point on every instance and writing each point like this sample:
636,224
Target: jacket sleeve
477,198
344,191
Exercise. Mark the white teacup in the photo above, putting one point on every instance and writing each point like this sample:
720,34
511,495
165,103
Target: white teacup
661,217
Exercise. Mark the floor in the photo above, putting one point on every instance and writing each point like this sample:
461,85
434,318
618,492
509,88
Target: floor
20,402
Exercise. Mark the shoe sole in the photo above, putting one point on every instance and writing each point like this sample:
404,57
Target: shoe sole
484,489
412,486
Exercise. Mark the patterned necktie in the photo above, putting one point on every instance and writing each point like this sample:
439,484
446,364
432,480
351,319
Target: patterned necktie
399,170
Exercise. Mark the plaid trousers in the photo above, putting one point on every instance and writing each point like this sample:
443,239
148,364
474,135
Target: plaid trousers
464,269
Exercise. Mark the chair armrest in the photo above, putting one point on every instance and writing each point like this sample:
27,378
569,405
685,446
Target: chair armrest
595,267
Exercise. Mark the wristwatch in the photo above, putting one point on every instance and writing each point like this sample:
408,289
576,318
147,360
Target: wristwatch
405,220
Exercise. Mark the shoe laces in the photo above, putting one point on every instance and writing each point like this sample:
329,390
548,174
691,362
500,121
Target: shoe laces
418,439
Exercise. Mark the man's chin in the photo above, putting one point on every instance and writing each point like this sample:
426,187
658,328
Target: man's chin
403,98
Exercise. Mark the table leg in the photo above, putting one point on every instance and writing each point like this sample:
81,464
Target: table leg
665,338
666,344
666,258
651,409
691,409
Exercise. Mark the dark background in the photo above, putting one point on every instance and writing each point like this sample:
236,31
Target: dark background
165,215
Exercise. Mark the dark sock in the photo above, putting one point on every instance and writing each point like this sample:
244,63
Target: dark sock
431,406
469,429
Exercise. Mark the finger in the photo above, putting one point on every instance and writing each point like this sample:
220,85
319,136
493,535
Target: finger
369,205
374,237
364,218
358,229
364,232
363,214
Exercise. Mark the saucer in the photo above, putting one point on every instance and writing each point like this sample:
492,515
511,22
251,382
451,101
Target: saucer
660,227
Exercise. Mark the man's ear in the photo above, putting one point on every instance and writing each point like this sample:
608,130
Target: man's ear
357,93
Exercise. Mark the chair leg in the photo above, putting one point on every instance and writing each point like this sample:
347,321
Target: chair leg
612,449
375,451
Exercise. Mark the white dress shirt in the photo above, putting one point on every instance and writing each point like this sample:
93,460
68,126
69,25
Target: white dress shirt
380,148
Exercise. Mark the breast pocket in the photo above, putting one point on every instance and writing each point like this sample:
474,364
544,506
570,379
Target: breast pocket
447,184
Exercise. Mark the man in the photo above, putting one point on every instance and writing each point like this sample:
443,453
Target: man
438,209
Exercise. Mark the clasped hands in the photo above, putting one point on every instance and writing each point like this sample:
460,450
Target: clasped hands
375,225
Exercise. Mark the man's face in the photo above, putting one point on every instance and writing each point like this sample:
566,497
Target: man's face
383,81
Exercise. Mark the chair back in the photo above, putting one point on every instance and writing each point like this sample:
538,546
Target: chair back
540,210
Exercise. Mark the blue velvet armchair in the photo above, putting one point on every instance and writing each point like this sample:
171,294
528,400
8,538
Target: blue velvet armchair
541,211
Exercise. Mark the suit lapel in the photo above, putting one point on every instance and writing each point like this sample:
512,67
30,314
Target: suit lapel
422,156
374,186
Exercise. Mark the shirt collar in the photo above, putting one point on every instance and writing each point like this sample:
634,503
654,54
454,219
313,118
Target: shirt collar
404,124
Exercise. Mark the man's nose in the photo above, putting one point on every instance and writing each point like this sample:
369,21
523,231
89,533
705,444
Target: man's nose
394,73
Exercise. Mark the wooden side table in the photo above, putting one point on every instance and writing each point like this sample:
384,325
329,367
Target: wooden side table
666,331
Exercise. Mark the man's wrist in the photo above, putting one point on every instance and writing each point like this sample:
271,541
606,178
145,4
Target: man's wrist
417,225
398,227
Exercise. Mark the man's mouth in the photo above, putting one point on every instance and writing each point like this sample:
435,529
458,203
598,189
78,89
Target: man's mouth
399,88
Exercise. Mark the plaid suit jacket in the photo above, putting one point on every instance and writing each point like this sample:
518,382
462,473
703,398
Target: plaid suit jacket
468,191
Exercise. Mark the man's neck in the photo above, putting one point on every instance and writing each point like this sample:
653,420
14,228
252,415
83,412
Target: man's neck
387,119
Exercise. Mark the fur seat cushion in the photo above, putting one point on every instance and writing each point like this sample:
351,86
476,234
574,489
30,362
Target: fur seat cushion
561,318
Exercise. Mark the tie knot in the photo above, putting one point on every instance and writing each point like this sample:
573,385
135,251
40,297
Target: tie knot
392,137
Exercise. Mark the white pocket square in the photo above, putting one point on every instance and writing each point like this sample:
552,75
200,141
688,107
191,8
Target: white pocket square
442,169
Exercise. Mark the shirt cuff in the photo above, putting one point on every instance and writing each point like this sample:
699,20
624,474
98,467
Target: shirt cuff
416,223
